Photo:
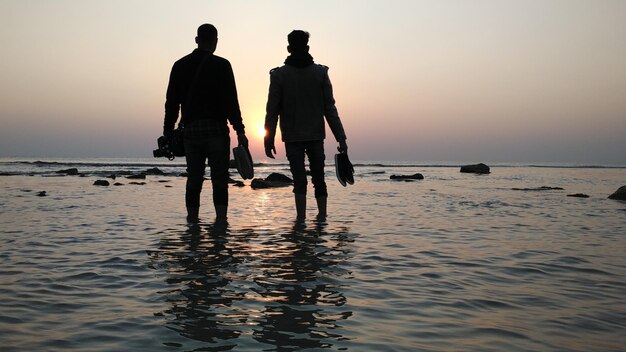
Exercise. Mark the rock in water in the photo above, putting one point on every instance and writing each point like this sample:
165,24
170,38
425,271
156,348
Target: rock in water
276,177
259,183
578,195
101,183
476,169
273,180
41,194
620,194
417,176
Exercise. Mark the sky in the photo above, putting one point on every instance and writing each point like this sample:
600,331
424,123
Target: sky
440,80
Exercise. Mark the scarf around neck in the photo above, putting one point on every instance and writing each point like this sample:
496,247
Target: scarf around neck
299,60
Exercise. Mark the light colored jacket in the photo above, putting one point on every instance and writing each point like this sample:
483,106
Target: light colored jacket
302,97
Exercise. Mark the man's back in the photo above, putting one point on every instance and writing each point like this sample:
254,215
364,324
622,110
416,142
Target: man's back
213,96
302,96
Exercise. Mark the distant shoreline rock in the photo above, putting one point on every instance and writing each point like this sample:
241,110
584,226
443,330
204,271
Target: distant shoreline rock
620,194
476,169
141,176
154,171
72,172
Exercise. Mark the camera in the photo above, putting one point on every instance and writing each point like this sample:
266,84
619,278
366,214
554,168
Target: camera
164,148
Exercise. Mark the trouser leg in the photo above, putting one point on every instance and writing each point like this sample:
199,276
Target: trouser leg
196,165
295,155
219,162
315,152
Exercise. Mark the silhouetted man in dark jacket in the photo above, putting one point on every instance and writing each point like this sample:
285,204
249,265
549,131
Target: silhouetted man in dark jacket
301,94
202,87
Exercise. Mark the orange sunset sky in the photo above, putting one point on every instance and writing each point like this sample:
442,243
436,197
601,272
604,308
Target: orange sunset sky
445,80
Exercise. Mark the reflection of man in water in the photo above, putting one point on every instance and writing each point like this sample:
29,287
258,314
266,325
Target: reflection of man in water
200,266
301,93
302,284
202,86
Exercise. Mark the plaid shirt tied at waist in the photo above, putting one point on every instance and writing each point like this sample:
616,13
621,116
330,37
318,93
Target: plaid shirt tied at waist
205,128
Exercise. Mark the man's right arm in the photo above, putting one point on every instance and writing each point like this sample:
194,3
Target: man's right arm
172,102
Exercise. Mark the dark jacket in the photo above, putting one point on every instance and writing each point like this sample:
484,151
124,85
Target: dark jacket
214,95
302,96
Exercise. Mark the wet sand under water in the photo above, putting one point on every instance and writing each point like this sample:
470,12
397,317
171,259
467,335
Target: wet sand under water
454,262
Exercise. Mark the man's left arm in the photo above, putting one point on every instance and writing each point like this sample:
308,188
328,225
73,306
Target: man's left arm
331,114
234,113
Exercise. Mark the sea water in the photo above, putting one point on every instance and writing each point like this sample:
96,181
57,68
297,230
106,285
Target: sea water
453,262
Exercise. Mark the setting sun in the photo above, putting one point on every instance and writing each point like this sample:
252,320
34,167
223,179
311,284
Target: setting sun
261,132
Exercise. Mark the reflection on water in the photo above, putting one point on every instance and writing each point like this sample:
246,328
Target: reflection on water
241,288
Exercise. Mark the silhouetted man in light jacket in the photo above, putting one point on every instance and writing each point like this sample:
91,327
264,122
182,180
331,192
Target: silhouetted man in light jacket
301,95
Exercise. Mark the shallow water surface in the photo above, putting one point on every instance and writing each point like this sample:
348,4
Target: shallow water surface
454,262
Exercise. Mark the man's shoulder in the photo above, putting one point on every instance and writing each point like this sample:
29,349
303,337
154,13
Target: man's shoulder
320,67
276,70
221,60
316,67
195,56
186,58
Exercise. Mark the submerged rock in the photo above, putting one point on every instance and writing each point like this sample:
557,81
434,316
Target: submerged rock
101,183
118,184
542,188
417,176
41,194
578,195
476,169
137,183
73,171
620,194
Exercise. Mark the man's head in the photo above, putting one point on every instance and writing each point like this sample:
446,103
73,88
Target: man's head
298,41
207,37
